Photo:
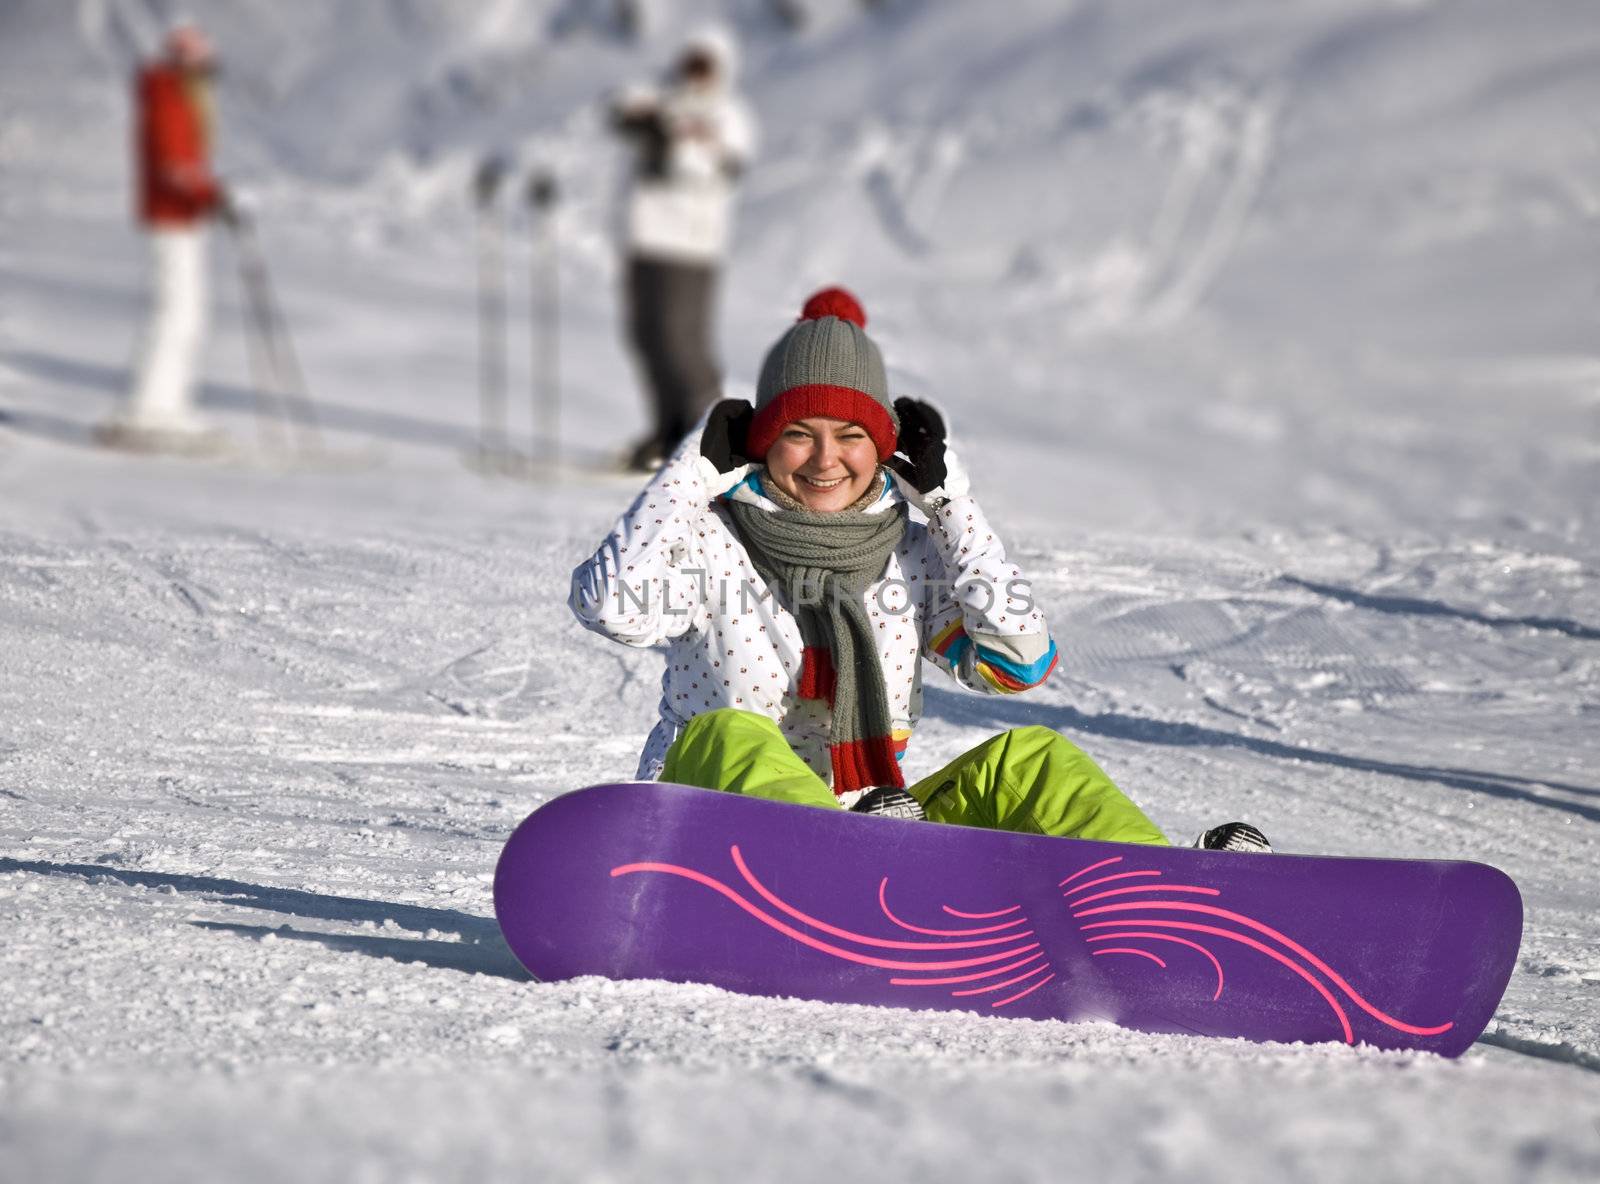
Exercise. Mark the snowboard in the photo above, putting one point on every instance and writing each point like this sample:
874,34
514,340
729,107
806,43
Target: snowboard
647,880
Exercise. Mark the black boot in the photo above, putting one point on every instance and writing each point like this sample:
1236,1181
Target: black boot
1234,836
646,456
889,802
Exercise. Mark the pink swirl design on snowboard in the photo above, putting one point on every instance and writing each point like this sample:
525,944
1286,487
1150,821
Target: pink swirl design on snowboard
1015,956
1026,962
1167,937
1287,955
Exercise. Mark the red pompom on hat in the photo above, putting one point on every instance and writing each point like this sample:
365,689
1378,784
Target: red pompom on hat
825,366
835,302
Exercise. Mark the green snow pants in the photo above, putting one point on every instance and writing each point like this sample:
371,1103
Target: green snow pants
1031,780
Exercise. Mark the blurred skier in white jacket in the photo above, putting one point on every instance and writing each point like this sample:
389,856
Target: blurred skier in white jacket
691,141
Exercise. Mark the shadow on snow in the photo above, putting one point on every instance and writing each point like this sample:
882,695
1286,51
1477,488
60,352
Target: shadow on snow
481,949
76,375
1416,606
1114,725
468,957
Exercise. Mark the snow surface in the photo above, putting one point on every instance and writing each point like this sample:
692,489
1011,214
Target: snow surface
1270,334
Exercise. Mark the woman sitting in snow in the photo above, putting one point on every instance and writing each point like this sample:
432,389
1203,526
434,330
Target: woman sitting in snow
775,561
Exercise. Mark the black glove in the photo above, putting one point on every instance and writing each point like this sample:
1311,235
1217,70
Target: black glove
648,130
928,473
723,462
922,441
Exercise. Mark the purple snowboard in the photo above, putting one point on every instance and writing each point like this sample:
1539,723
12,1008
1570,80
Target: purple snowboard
666,882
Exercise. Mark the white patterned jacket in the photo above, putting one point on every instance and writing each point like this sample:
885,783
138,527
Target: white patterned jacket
674,575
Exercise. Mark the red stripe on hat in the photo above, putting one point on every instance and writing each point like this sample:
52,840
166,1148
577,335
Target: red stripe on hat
822,400
861,764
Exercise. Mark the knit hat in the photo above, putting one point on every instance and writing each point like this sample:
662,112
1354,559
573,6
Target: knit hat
825,365
186,43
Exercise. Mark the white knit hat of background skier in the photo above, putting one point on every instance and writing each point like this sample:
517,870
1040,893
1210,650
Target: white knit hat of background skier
187,44
825,366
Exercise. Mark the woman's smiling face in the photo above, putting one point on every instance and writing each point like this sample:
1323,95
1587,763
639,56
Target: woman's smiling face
824,464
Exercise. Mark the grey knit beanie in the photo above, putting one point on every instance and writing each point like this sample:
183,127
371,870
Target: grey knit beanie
825,365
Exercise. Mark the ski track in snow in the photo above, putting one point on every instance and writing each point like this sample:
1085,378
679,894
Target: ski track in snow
1320,556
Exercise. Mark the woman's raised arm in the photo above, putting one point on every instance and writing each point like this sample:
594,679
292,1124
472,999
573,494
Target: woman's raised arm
645,585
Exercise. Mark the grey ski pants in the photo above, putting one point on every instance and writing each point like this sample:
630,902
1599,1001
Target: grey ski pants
670,309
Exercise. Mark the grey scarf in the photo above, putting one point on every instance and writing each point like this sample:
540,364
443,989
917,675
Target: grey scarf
820,567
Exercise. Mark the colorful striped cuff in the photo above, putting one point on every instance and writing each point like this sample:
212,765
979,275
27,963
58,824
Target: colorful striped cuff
1004,674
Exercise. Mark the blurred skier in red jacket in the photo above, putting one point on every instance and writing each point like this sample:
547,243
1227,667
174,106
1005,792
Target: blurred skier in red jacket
177,194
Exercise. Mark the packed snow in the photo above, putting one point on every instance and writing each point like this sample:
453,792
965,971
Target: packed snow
1269,333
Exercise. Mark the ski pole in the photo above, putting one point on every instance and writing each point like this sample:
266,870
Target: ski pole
545,297
259,381
263,373
491,314
280,345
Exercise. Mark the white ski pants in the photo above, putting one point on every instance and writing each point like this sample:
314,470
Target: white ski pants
163,390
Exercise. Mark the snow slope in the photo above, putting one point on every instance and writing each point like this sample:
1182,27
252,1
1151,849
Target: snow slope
1269,333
